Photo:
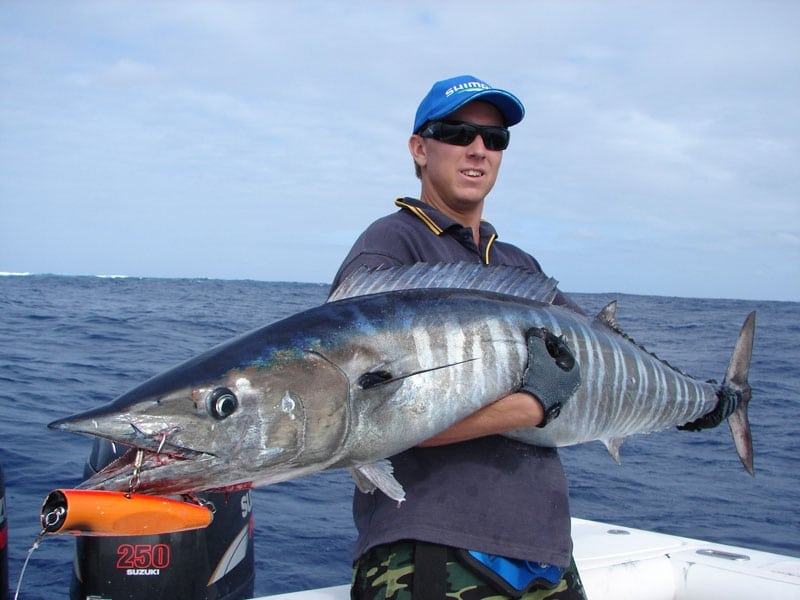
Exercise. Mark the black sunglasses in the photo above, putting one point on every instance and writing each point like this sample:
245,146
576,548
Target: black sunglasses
460,133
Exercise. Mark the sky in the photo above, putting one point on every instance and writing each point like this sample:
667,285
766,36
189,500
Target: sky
660,152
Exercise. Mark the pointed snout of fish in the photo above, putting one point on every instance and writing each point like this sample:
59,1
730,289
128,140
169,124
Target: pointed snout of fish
73,425
93,422
97,425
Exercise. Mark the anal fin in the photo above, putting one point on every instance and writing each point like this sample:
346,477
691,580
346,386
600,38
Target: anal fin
613,446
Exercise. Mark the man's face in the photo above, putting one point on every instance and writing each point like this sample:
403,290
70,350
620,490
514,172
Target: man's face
459,177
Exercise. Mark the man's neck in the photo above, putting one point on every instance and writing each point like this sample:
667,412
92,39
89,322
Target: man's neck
468,214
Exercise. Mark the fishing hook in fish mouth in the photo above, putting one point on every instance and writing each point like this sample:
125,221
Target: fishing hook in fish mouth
163,441
137,469
146,441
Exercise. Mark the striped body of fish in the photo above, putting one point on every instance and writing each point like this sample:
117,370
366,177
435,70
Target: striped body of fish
625,390
394,357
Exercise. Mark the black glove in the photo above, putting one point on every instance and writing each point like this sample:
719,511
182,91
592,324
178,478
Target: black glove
552,375
727,401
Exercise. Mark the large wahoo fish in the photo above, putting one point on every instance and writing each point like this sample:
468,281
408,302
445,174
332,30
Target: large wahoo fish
394,357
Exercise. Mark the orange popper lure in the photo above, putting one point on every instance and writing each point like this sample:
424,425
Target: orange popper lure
103,513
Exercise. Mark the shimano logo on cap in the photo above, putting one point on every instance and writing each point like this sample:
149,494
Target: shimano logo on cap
470,86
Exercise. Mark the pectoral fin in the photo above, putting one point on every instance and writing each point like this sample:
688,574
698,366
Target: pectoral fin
380,475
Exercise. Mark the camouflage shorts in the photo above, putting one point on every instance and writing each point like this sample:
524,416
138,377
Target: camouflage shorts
387,573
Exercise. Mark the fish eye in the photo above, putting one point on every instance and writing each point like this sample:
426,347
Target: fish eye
221,403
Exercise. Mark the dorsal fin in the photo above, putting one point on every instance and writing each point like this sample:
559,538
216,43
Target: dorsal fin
608,315
514,281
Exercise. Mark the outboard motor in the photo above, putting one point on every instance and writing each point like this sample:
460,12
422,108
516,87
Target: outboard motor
3,539
215,563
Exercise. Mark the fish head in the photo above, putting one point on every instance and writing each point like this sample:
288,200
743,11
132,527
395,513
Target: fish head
228,419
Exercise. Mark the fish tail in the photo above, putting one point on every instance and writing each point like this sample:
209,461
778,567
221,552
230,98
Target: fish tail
736,382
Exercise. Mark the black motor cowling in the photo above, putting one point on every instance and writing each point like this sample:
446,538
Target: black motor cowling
215,563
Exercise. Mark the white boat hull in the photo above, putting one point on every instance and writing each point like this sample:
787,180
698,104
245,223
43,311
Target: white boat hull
621,563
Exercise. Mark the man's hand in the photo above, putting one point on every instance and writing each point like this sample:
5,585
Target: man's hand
552,375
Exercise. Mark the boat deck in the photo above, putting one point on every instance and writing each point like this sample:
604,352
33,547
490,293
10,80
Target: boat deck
622,563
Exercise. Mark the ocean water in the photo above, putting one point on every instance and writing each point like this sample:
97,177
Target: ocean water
68,344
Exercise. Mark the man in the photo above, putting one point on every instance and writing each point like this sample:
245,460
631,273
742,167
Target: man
467,488
485,516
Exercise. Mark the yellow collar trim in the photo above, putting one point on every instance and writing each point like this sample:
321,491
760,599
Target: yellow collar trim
488,247
421,215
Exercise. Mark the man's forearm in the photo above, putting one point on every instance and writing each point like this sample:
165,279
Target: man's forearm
512,412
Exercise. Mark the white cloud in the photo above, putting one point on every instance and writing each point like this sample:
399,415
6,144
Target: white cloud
660,129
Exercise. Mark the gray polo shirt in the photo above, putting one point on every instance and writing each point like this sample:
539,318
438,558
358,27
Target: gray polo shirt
490,494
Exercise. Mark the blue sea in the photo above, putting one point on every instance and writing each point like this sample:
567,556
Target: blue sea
68,344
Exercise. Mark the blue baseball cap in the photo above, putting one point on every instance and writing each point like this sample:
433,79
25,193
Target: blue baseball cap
449,95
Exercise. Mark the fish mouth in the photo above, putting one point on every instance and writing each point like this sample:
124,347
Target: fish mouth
155,462
148,455
140,470
134,460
